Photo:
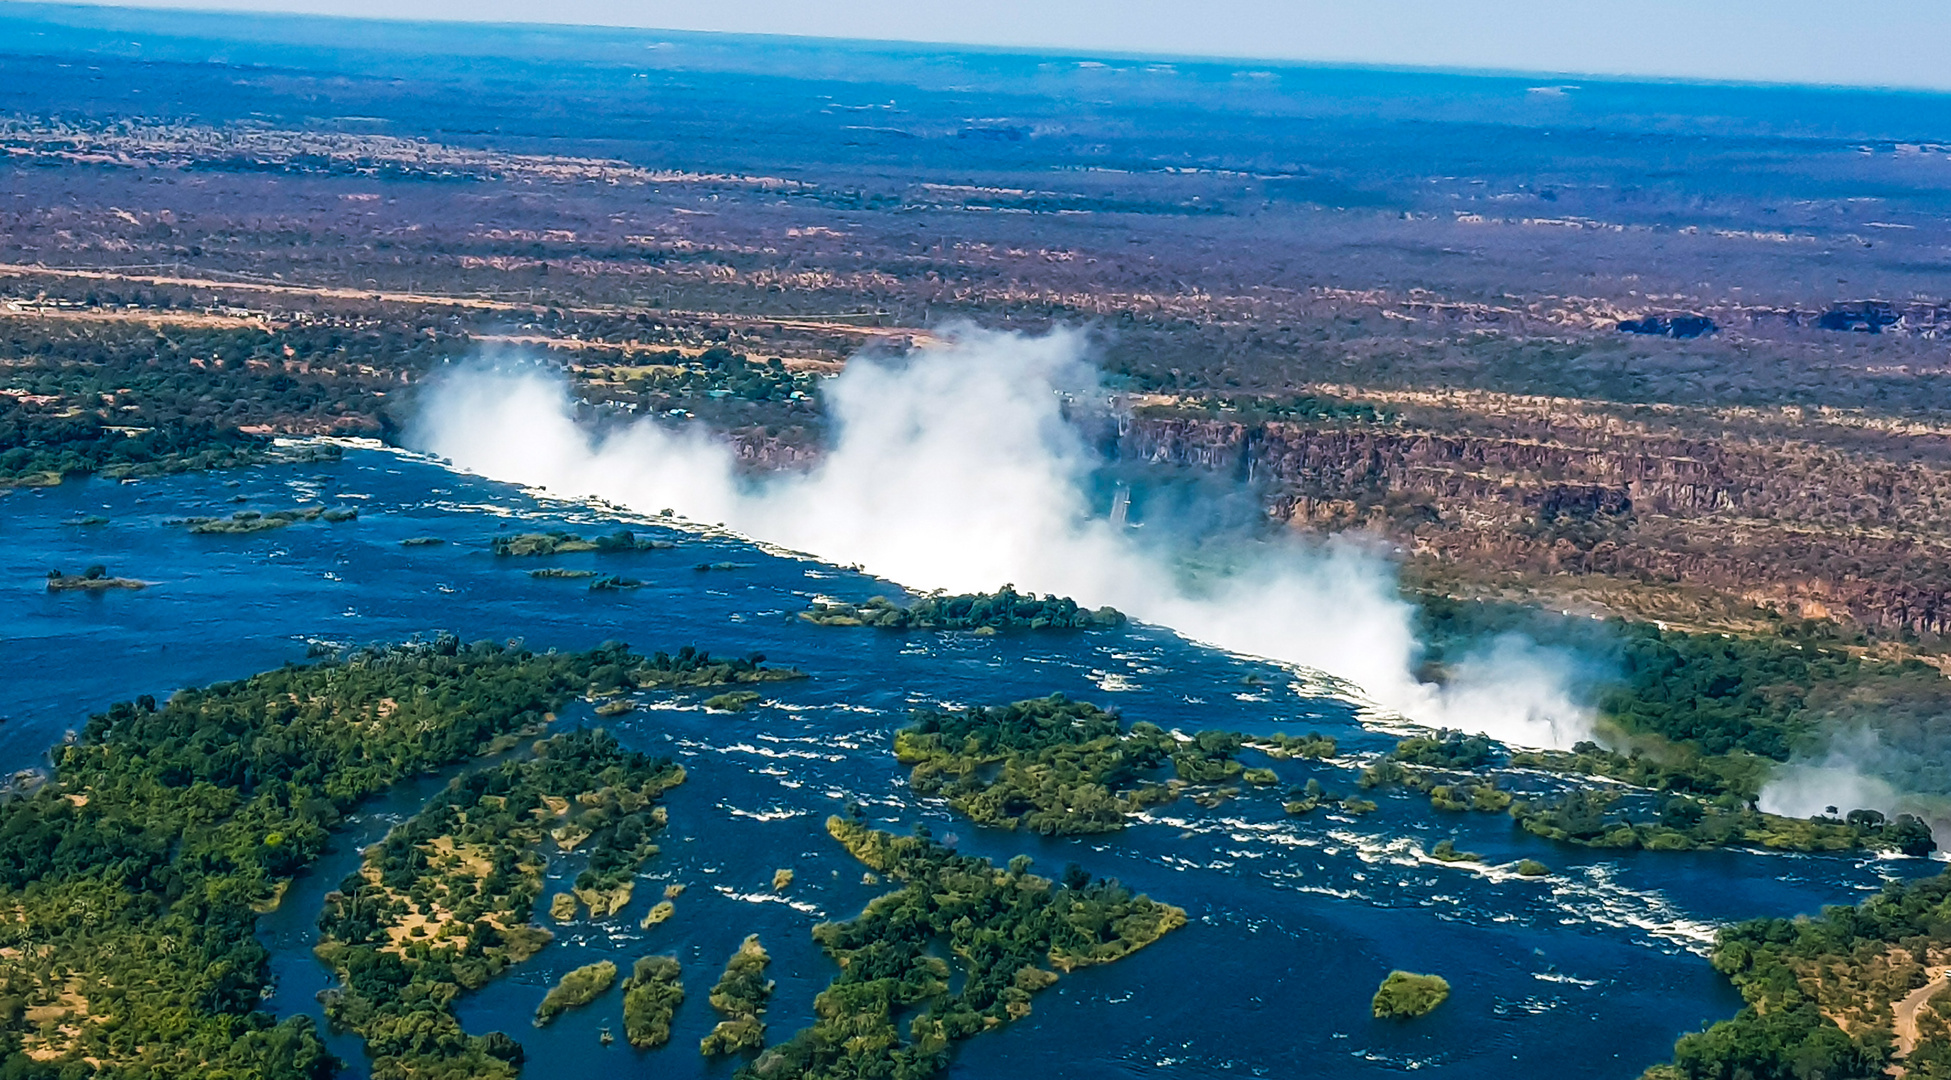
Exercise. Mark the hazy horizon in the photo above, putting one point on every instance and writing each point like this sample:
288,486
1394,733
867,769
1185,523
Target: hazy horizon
1736,42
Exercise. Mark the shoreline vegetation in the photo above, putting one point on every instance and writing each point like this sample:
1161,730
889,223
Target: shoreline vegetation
40,450
1004,609
1013,933
1854,991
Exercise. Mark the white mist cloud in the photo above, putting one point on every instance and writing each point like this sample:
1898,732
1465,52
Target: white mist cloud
1843,777
955,468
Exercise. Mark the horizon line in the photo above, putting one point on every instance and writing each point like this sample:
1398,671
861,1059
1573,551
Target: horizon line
168,9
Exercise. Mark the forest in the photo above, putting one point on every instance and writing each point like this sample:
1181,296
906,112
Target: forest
39,448
133,399
442,905
175,824
1820,992
1010,931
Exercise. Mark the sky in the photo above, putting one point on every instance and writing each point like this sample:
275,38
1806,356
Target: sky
1893,43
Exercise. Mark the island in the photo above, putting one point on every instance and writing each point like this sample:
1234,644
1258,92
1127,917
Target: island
93,579
1004,609
1404,995
1061,767
568,543
693,668
1012,932
244,522
183,821
651,996
223,793
575,989
740,997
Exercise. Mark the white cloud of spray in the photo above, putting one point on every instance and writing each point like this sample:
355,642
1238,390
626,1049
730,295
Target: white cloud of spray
955,468
1845,777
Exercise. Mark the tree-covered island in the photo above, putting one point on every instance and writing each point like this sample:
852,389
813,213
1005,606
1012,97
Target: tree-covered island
1004,609
1011,932
94,579
1061,767
244,522
568,543
1405,995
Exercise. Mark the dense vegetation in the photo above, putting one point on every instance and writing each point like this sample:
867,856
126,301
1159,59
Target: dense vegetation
1011,931
672,379
740,997
442,904
1405,995
127,399
1004,609
173,826
651,996
1061,767
576,988
1820,992
39,448
1258,409
1058,767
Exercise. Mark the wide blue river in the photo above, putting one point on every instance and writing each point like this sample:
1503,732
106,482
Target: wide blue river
1591,972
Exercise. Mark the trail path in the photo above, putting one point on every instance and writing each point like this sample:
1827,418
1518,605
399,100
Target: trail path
1905,1012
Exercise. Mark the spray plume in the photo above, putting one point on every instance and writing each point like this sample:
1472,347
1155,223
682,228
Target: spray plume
956,468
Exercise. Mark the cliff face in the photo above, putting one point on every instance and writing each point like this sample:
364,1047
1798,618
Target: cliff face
1806,528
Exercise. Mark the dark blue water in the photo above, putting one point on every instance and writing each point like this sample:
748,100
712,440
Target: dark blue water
1590,973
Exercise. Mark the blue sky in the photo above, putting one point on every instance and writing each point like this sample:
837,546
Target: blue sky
1890,43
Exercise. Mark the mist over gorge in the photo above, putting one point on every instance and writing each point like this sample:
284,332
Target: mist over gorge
955,468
